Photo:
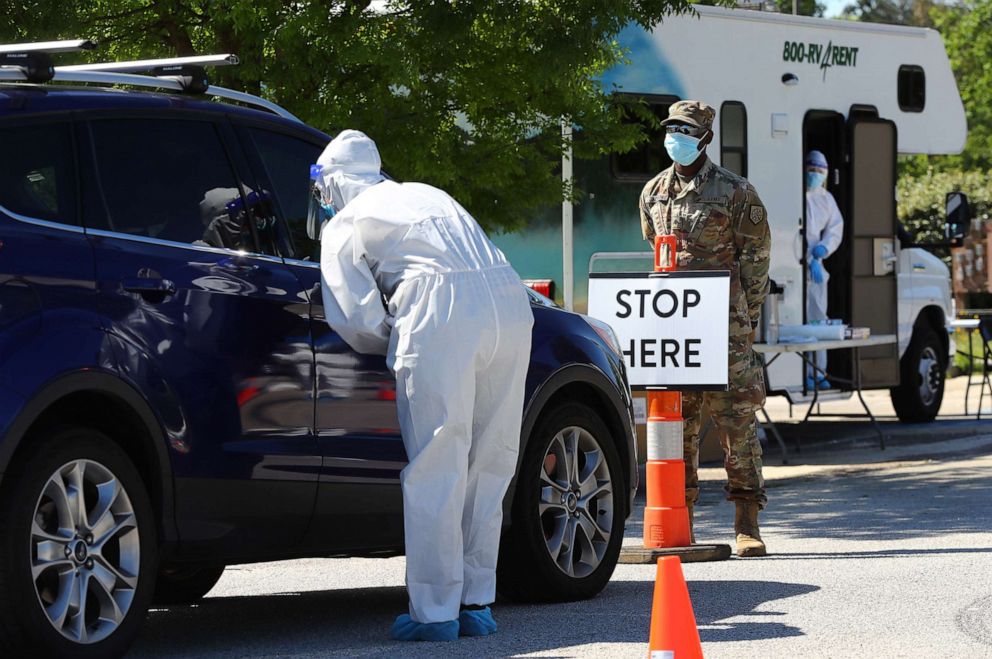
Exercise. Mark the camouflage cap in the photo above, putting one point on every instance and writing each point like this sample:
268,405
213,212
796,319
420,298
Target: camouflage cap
694,113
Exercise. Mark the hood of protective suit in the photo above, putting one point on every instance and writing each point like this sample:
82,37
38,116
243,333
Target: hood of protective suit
350,165
816,159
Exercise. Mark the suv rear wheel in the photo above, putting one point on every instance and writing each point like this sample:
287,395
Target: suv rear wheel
78,552
568,522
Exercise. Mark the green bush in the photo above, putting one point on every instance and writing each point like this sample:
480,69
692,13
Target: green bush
961,340
921,199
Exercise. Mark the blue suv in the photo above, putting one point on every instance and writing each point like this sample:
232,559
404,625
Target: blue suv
172,401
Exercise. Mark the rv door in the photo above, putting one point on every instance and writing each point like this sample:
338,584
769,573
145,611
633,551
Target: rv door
874,295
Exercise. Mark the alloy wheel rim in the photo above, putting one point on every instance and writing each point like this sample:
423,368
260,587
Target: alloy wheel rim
85,551
930,376
576,502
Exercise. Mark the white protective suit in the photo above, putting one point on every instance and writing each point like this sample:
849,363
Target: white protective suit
456,330
824,226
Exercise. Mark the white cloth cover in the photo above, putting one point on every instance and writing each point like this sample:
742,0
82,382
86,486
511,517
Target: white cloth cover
350,164
824,226
456,329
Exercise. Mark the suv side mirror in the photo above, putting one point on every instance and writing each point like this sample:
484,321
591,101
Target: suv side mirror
958,216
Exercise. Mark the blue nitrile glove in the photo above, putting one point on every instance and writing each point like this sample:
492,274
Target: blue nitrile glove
816,272
819,252
476,622
406,629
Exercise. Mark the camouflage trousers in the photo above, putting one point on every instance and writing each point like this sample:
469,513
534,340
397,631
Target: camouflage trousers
733,413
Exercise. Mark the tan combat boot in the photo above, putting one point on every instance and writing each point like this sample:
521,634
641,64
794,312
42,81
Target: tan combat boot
746,525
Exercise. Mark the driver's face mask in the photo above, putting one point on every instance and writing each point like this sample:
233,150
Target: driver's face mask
321,208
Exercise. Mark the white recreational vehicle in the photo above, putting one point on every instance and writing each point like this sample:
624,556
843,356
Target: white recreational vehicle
861,93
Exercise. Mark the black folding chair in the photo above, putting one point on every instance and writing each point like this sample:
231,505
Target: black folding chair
985,331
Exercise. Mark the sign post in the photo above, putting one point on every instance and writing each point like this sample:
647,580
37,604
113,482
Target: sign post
674,336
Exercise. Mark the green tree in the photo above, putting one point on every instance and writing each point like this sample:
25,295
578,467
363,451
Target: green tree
965,29
806,7
922,198
896,12
969,48
464,94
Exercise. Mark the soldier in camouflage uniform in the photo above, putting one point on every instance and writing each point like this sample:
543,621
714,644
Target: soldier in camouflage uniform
720,224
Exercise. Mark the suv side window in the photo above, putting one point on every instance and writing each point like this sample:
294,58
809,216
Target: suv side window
286,163
37,172
169,180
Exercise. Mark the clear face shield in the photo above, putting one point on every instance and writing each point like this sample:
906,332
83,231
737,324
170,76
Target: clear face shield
320,208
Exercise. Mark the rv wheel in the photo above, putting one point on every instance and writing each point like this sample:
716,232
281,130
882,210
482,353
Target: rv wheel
922,371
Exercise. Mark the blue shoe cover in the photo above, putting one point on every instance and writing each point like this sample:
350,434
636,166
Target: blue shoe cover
810,384
476,623
823,383
406,629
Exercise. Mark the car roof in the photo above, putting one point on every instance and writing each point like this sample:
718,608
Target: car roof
20,100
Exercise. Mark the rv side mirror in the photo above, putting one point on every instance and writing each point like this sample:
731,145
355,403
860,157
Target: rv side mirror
958,217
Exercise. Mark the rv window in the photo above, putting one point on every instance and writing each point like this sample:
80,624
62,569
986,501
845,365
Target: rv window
912,88
733,137
650,157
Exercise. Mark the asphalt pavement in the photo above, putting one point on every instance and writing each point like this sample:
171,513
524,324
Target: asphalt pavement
872,554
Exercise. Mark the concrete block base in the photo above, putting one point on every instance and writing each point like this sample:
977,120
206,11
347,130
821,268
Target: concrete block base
693,554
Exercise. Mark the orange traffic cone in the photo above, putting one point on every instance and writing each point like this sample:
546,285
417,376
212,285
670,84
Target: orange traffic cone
666,518
673,624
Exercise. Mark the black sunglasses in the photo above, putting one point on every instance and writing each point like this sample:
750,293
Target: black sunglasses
685,129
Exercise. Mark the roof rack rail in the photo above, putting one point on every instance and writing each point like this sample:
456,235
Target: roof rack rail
146,65
49,47
189,71
34,59
179,74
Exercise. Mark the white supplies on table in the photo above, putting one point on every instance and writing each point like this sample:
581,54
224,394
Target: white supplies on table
789,333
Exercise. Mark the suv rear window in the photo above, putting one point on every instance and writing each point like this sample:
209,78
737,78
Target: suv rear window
169,180
37,174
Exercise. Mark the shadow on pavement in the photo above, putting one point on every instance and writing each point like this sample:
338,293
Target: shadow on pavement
355,623
717,603
885,553
819,435
883,505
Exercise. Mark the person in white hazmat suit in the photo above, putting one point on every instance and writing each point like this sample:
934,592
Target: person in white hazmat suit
824,232
408,273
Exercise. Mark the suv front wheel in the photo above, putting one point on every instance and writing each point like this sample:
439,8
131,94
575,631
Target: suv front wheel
568,522
78,552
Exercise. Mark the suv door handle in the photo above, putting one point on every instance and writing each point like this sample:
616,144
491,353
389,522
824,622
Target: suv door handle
154,288
238,265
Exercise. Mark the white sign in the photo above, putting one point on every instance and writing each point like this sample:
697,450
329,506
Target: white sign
673,326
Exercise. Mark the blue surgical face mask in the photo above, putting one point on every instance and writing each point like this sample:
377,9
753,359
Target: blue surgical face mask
815,180
683,149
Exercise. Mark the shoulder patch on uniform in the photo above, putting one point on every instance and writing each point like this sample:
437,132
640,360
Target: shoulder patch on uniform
757,214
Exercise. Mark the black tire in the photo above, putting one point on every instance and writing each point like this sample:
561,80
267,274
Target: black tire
527,571
25,629
185,584
922,372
